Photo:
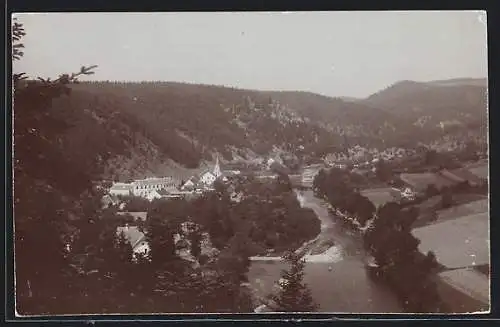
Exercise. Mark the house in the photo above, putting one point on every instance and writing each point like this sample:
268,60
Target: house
408,194
309,174
172,194
144,187
191,183
135,238
205,179
139,244
109,201
153,195
123,189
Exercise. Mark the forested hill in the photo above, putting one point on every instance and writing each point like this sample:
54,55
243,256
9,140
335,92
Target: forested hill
135,129
153,125
458,101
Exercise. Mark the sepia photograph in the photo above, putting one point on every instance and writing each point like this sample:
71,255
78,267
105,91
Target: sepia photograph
250,162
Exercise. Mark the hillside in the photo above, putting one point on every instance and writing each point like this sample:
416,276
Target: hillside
451,102
141,129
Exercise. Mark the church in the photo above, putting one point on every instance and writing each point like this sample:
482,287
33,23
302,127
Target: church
205,180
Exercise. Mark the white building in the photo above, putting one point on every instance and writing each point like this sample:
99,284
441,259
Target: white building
145,187
135,238
122,189
407,193
206,179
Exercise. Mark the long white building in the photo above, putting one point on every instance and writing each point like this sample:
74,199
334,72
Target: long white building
144,187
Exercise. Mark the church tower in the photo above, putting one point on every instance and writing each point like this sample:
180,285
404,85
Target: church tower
217,171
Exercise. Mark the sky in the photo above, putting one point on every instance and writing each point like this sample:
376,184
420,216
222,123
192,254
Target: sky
352,54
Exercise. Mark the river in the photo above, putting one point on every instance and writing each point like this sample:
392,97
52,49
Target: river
335,274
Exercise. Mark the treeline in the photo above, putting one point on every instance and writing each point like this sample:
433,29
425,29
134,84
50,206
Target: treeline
269,213
189,122
336,186
399,263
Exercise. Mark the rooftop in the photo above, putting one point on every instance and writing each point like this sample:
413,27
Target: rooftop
131,233
154,181
121,187
457,243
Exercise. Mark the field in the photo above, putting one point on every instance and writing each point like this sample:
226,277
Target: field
457,242
346,288
480,171
379,196
464,210
420,181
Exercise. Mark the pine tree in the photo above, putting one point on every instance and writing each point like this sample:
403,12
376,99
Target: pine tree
294,295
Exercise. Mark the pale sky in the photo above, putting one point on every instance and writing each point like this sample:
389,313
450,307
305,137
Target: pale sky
332,53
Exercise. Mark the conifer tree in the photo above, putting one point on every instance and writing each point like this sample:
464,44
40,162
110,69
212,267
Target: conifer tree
294,295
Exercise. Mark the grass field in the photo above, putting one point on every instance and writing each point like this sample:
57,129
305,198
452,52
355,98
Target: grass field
480,171
379,196
459,242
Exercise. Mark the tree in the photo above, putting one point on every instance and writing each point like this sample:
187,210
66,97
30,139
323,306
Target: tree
294,295
136,203
431,157
446,198
396,252
47,186
431,190
383,171
283,183
365,209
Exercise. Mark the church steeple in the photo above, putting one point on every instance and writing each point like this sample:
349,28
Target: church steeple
217,171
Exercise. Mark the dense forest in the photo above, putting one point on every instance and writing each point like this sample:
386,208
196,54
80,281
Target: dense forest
151,123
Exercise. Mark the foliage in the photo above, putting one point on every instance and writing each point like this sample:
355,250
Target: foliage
395,250
335,185
294,295
69,259
136,203
446,198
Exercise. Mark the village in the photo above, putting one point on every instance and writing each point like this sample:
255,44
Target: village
463,273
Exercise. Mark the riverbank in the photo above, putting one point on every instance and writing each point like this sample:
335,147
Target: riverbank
335,274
